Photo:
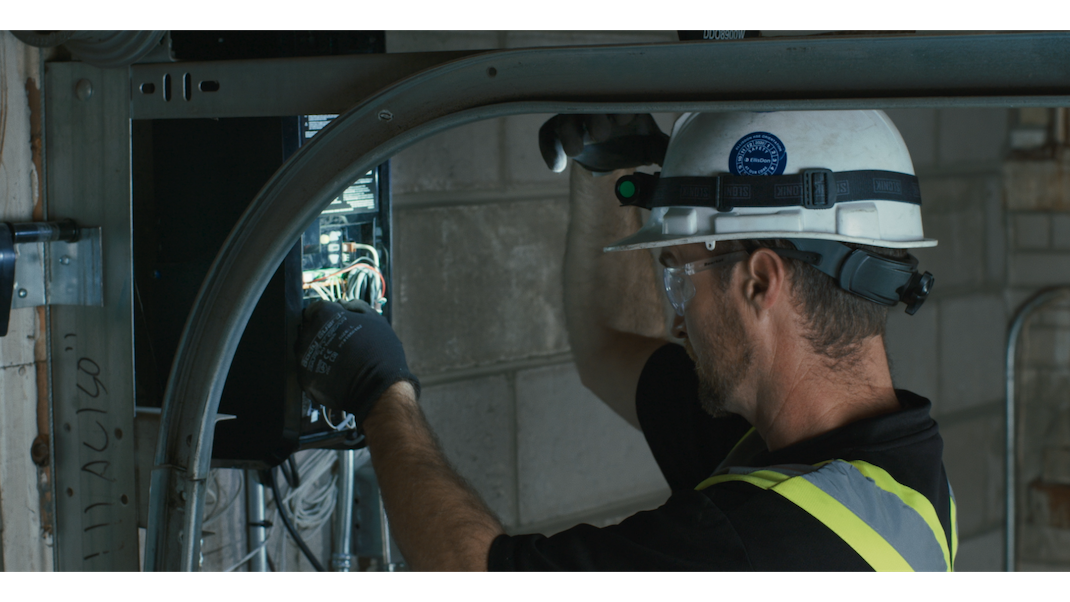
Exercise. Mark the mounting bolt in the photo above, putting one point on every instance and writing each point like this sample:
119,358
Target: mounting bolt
83,89
22,293
65,260
39,450
385,115
182,496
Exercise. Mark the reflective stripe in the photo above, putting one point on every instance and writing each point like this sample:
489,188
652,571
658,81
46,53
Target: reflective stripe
882,520
900,523
915,500
845,522
954,526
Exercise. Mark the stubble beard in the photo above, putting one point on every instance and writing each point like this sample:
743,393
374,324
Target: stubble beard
728,358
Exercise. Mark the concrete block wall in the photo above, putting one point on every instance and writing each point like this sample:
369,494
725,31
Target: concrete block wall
951,351
480,234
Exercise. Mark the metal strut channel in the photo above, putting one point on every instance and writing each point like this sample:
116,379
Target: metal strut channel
772,74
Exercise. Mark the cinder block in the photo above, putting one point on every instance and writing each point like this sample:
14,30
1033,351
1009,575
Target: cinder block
479,284
1038,346
971,135
1057,464
973,457
523,161
983,553
1039,268
959,258
438,41
1060,231
1042,396
947,194
463,158
475,423
574,453
911,345
532,39
1037,185
1032,230
972,338
918,128
995,232
1047,545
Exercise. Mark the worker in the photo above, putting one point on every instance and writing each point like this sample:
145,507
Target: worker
768,403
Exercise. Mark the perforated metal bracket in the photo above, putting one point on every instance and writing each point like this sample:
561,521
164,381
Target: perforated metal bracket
60,272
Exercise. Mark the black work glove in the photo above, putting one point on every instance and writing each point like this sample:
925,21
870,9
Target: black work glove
348,356
602,143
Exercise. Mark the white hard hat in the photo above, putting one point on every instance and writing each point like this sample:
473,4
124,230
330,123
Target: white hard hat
731,176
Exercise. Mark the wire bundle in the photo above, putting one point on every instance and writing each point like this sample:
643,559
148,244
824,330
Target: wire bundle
361,279
311,504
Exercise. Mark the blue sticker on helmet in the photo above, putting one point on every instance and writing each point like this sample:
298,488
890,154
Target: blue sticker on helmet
758,154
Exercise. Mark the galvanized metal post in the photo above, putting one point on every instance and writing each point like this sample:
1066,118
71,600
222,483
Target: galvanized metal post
256,528
342,556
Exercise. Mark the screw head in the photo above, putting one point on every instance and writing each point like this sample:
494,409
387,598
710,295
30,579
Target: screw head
65,260
385,115
83,89
23,293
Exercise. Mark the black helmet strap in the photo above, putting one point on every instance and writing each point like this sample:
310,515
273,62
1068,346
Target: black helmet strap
812,188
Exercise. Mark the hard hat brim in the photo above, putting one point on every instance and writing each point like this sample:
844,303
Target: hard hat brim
652,237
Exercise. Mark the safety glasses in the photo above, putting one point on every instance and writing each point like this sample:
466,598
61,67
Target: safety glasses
678,285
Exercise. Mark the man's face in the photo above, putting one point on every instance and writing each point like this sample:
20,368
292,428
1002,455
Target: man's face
713,332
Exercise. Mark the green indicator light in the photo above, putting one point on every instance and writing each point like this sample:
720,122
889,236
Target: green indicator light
626,189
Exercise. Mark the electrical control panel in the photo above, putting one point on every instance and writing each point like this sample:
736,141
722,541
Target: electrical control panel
191,181
345,256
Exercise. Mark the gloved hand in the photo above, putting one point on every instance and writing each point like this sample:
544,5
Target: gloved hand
348,356
602,143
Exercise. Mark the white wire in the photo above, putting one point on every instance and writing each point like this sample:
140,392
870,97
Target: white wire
370,249
218,513
263,545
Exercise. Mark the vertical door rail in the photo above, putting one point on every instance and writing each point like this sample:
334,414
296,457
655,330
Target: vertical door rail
772,74
1010,457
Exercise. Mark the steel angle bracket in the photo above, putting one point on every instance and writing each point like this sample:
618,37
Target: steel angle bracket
73,276
1005,70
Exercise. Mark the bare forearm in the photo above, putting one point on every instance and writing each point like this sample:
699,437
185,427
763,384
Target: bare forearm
437,520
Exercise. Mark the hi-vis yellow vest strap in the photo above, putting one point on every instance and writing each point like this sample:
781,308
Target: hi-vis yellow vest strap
891,526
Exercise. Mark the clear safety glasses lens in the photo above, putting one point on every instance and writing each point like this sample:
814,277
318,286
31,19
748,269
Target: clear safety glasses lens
678,285
679,289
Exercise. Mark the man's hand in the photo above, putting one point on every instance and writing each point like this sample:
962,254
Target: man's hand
602,143
348,355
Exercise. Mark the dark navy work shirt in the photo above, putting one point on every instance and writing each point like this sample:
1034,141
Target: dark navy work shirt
732,526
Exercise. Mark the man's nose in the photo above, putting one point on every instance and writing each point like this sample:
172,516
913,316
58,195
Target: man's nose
679,330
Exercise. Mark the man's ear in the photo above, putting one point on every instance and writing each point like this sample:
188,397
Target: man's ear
765,276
